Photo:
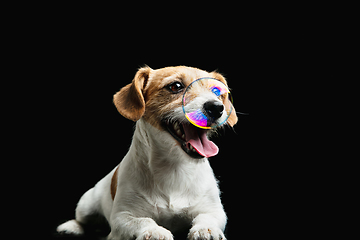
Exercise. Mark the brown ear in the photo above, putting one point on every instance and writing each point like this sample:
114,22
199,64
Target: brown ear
232,120
129,101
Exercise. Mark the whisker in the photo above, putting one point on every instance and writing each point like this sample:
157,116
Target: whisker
242,113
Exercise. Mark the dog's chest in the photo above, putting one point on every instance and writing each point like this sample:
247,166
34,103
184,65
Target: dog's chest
174,203
174,213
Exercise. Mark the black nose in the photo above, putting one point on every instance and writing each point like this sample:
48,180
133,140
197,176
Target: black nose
214,109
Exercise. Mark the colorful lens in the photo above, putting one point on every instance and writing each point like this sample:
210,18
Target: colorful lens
206,89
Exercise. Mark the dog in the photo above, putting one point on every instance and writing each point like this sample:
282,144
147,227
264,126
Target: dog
163,184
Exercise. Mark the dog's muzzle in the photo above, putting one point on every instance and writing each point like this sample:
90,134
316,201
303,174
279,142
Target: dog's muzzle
207,103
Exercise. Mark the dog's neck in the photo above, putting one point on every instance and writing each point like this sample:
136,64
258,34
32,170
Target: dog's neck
160,156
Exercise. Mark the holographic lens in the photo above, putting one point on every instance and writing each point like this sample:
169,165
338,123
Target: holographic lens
208,89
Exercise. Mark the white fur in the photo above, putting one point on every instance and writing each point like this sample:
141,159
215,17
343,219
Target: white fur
157,182
71,227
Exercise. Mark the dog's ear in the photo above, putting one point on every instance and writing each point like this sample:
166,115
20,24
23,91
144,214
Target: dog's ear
232,120
129,101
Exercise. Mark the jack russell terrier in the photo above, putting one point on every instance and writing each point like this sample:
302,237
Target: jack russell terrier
164,183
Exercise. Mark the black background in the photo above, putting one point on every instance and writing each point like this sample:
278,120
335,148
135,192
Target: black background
79,59
66,62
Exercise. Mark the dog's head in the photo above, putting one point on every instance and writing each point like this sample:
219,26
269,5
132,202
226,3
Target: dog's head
156,96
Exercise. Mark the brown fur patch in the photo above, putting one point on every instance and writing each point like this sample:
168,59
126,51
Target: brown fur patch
160,101
129,101
113,185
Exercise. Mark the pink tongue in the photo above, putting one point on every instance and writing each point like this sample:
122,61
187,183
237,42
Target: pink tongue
198,139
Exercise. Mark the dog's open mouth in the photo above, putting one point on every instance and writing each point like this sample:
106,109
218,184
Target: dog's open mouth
193,140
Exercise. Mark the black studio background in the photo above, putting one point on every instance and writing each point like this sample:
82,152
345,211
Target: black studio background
82,60
66,61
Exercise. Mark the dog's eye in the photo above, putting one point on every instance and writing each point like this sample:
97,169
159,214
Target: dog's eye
175,87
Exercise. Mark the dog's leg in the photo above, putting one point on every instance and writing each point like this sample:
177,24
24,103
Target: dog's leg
85,211
72,227
208,226
92,207
126,226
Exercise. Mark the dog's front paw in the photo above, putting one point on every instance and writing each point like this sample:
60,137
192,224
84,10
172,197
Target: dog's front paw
206,233
156,233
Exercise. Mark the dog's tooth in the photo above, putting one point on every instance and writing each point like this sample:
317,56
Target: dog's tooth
192,148
178,132
176,126
183,136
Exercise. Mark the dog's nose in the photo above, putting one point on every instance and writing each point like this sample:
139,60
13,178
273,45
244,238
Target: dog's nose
214,109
